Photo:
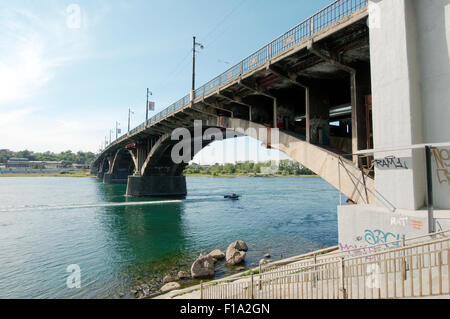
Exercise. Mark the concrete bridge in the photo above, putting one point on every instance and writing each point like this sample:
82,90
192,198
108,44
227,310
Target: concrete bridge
307,94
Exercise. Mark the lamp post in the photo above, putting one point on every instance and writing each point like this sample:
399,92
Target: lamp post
195,44
129,117
147,106
118,131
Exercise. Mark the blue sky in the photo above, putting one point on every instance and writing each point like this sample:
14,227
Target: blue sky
64,88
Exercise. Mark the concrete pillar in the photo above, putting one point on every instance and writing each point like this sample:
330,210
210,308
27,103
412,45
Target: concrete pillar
116,177
156,186
318,111
142,152
308,116
363,88
396,99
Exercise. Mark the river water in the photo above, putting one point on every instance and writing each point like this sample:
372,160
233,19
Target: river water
47,224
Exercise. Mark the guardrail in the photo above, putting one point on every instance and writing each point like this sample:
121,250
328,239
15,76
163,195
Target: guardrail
277,268
319,21
418,270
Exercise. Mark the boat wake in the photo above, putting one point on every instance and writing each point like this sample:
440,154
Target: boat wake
99,205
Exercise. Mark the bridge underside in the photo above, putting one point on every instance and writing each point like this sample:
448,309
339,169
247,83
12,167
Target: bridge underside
317,94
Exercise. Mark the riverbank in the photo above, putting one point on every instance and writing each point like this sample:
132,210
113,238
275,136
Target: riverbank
59,174
88,174
251,175
193,292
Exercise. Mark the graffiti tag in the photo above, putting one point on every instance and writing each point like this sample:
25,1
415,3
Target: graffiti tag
442,158
391,162
377,237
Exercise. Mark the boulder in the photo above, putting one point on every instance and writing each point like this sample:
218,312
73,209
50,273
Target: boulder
183,275
235,256
169,278
203,267
217,254
265,261
239,245
169,287
236,252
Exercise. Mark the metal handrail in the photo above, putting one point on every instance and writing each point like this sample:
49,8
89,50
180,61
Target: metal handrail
343,263
335,254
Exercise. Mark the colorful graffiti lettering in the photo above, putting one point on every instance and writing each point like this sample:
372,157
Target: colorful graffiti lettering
377,237
442,158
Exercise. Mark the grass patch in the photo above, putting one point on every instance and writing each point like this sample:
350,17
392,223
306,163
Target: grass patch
250,272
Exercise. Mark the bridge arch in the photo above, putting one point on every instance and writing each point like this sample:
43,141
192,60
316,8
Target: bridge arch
337,171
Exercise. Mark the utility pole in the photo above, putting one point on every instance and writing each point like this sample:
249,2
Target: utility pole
129,117
194,45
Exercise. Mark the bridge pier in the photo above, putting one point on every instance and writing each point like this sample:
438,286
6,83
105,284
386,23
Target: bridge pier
115,178
156,186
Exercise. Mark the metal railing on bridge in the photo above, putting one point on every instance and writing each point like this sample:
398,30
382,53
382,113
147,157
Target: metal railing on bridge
319,21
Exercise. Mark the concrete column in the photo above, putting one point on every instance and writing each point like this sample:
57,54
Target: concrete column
396,99
142,153
275,110
308,116
156,186
318,111
116,177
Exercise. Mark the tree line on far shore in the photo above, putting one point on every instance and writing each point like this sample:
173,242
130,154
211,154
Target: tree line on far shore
69,157
285,168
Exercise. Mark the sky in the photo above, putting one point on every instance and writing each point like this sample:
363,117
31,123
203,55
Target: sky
69,70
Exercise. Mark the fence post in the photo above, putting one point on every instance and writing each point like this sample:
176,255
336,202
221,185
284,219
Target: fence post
315,271
342,277
251,288
405,276
260,274
201,289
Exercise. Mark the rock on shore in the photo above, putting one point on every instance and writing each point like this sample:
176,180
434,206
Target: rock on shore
217,254
170,286
203,267
167,279
236,252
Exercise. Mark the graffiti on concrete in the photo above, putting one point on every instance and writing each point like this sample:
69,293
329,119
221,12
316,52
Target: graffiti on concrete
377,237
417,224
354,250
442,159
406,221
391,162
399,221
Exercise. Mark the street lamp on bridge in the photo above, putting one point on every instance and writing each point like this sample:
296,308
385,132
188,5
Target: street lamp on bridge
195,44
118,130
147,106
129,117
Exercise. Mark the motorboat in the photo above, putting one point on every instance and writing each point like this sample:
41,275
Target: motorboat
232,196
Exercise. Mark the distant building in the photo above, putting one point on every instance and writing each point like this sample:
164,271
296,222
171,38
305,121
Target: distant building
5,152
26,163
80,166
18,163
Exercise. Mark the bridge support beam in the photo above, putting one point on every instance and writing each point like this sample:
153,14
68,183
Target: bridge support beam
156,186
